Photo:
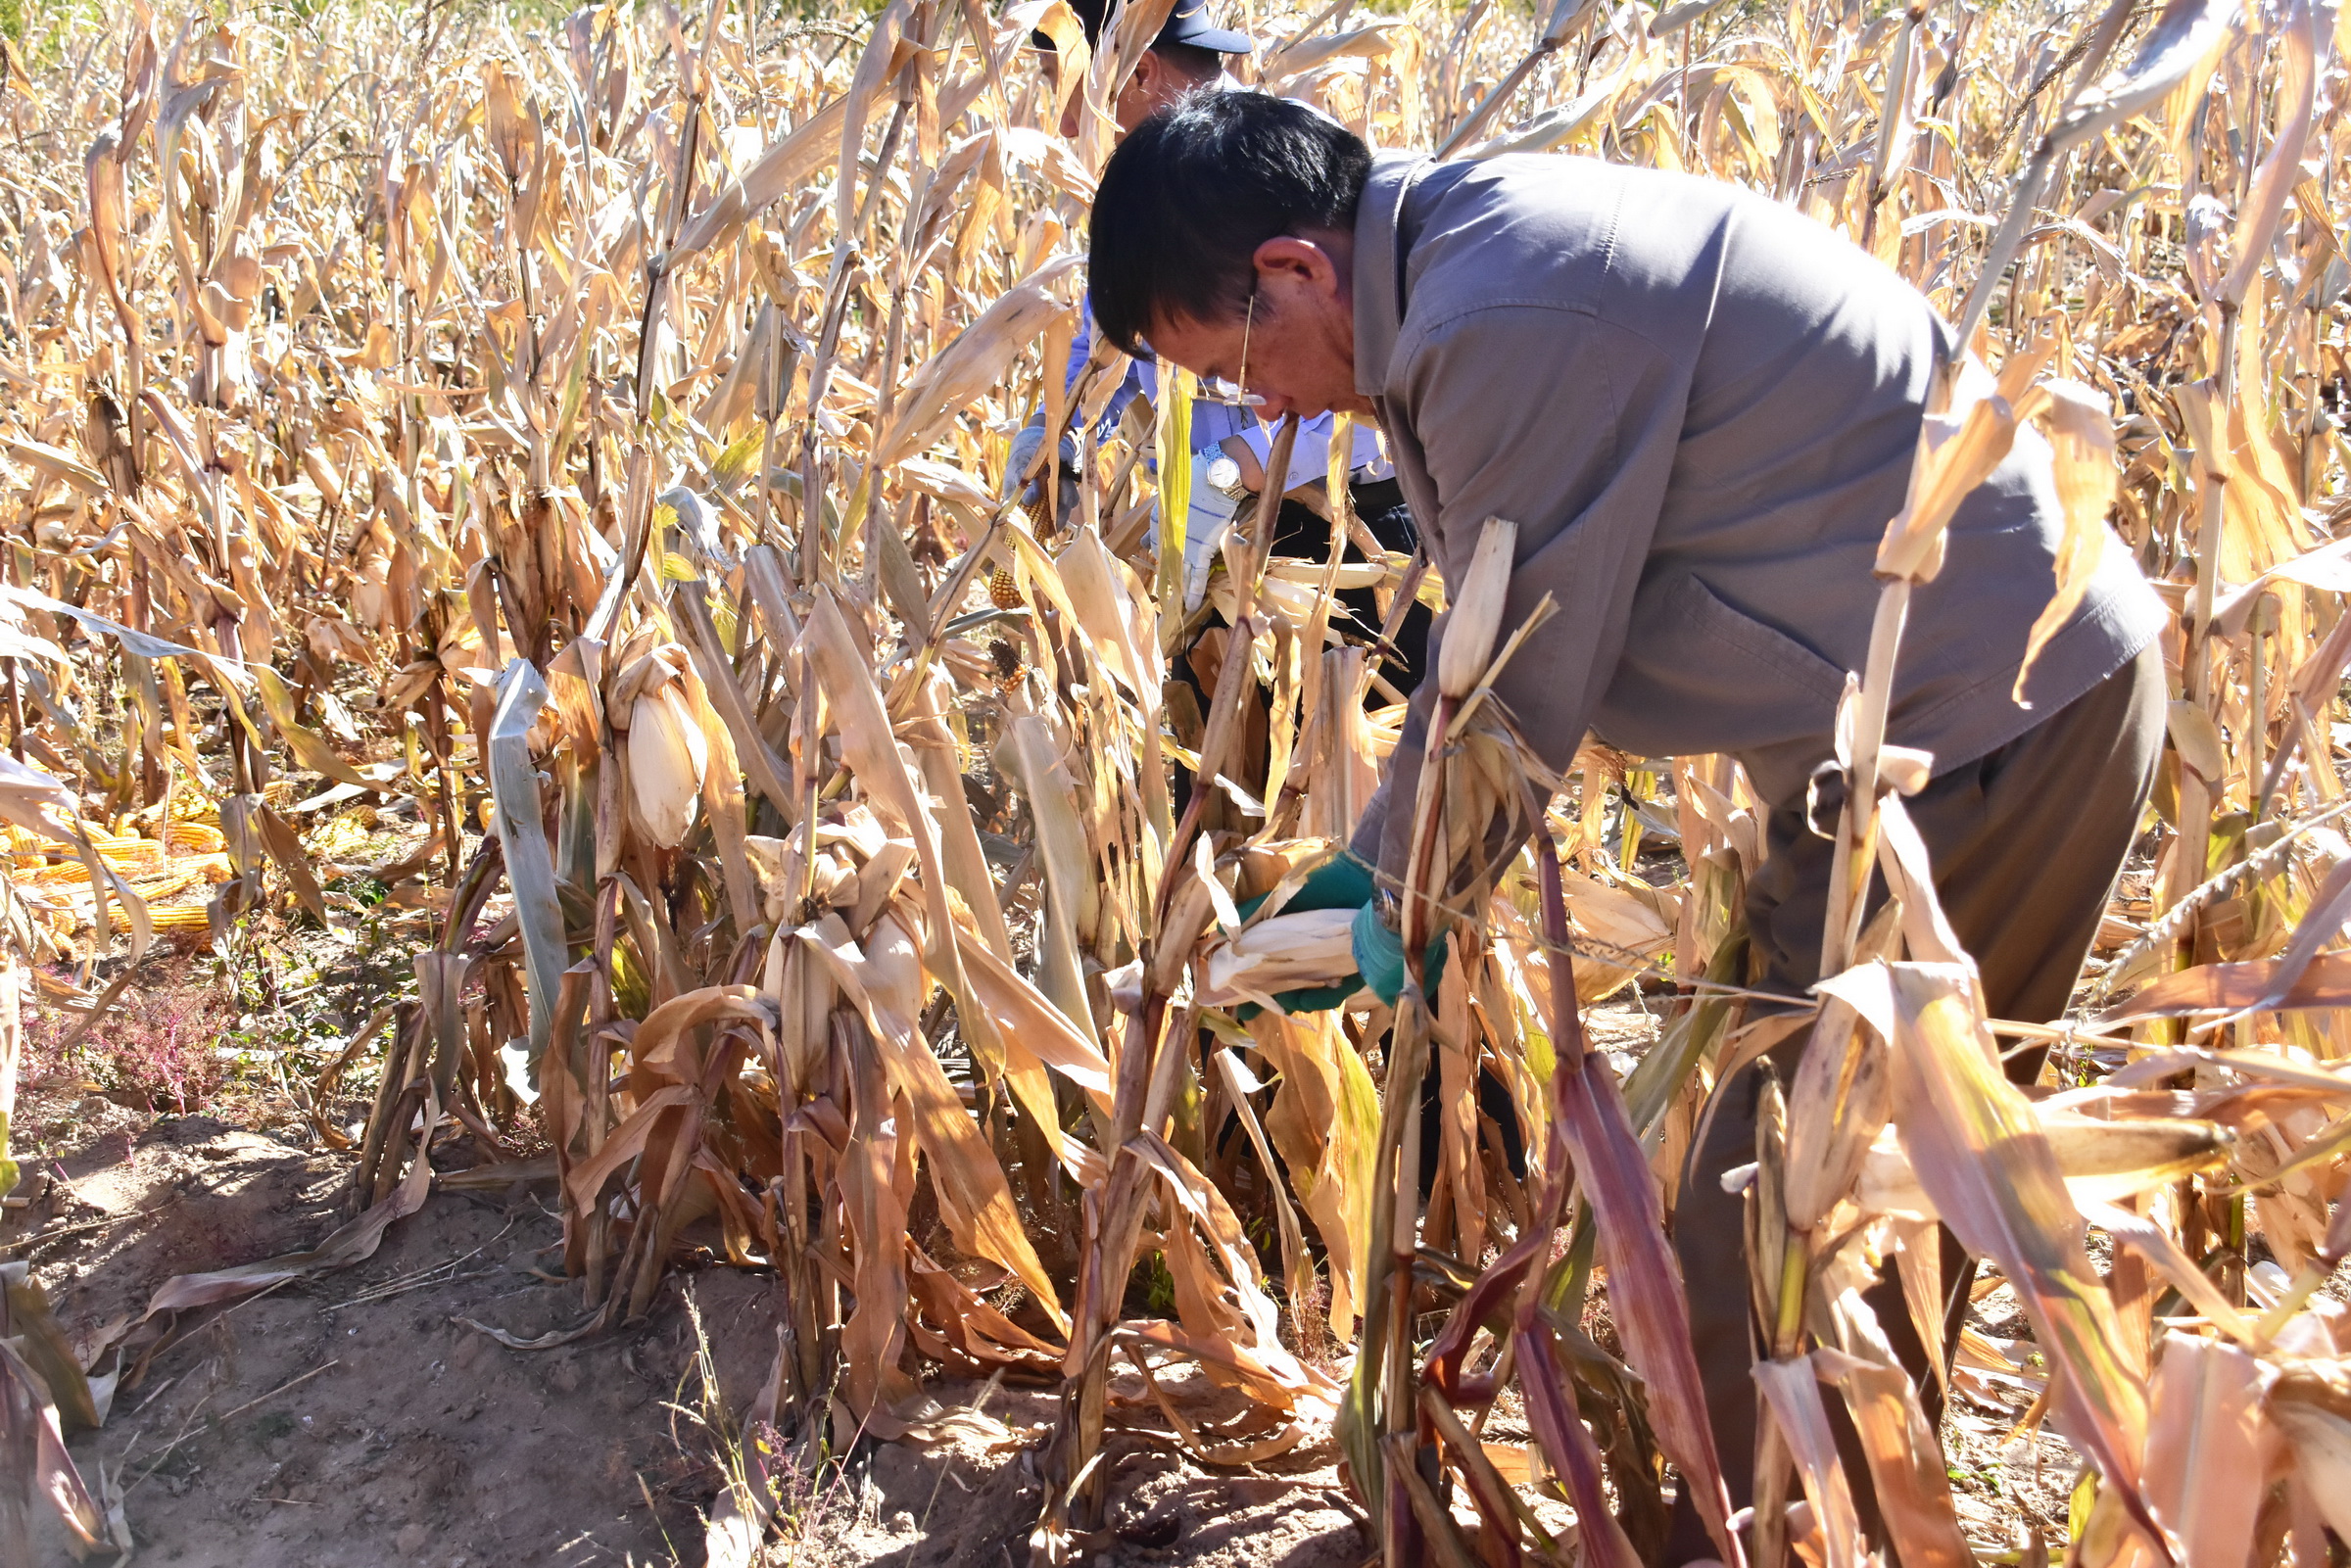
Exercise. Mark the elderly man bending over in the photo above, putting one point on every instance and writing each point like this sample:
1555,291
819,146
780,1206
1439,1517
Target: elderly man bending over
1700,407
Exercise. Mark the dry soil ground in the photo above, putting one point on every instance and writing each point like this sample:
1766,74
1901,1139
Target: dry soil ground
356,1419
353,1419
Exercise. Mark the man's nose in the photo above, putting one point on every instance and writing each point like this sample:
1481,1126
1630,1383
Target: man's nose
1069,116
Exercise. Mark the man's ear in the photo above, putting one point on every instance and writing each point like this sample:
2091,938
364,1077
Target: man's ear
1288,257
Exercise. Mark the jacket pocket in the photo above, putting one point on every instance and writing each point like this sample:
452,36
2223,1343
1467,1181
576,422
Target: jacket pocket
1805,679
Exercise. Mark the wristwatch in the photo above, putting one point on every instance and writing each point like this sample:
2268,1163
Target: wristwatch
1224,476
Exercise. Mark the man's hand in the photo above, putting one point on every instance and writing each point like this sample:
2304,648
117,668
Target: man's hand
1342,880
1345,882
1380,955
1023,455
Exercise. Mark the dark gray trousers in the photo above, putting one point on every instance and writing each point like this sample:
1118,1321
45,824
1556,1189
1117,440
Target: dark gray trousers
2025,843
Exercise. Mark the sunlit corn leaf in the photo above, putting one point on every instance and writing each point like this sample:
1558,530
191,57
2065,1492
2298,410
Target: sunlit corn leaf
2325,980
1993,1175
1793,1393
1645,1283
2205,1446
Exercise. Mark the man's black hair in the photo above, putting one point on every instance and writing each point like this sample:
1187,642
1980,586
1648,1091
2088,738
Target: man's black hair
1191,194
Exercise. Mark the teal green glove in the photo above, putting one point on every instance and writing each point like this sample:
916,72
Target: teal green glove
1344,881
1307,999
1380,956
1341,882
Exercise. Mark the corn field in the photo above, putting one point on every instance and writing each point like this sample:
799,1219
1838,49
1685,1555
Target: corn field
590,430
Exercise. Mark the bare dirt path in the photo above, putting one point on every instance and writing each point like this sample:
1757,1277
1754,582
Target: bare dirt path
352,1419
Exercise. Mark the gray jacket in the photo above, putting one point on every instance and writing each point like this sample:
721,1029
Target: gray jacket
1700,407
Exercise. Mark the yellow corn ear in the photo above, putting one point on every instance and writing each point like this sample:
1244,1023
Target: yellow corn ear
194,839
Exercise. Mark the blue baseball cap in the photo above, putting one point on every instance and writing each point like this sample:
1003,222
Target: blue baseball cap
1188,24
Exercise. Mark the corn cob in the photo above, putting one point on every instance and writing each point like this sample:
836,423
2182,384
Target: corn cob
135,856
194,839
164,886
667,756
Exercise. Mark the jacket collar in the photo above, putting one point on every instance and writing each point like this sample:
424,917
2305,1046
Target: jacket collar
1380,267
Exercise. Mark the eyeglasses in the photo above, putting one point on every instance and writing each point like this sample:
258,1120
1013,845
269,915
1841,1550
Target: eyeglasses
1235,394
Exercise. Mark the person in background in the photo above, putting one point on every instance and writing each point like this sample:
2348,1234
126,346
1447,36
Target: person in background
1189,55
